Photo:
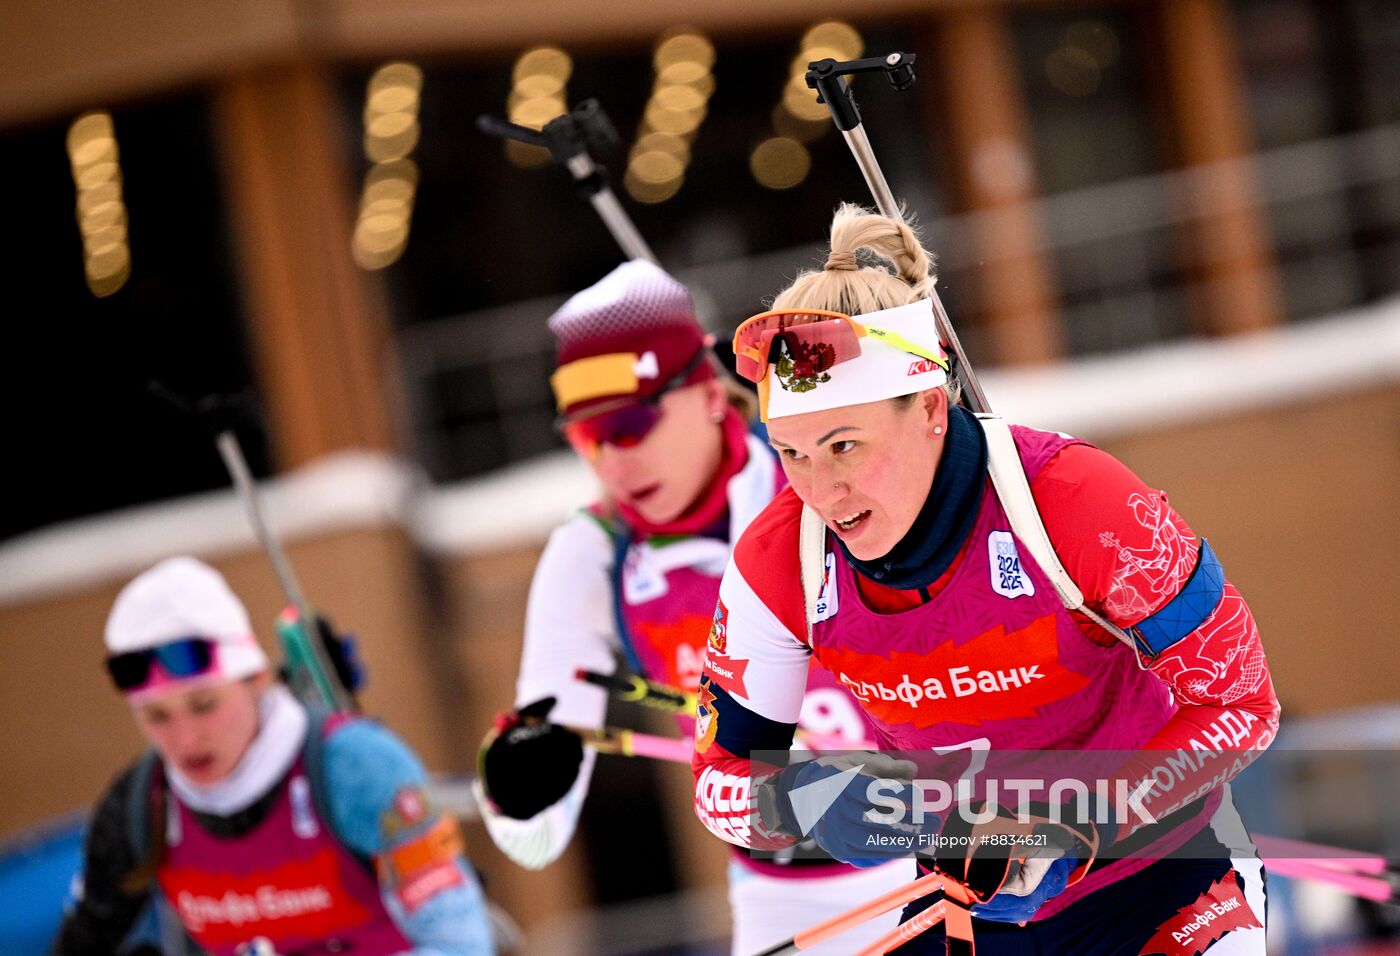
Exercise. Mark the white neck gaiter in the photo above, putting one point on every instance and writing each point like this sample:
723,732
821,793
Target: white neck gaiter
282,724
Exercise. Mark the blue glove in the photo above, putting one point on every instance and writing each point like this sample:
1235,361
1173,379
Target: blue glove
840,814
1023,894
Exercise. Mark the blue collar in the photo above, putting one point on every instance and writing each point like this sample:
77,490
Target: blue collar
927,550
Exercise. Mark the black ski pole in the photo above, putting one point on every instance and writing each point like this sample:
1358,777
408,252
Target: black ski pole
310,670
827,77
571,140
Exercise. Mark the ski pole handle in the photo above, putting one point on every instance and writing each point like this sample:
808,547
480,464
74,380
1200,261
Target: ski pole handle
505,129
827,77
568,139
649,693
638,690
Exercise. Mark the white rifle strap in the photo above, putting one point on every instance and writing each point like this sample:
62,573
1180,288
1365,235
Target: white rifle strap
811,551
1014,491
1009,480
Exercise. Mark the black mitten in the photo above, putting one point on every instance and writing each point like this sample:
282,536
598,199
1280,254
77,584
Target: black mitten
527,763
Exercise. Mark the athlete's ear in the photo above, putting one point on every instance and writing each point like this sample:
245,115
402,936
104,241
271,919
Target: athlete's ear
935,405
716,399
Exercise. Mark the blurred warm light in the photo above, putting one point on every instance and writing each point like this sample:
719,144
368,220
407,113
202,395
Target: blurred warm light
388,149
400,75
1095,38
526,157
379,240
801,101
543,61
841,38
392,99
656,167
381,231
677,146
539,95
101,217
94,150
537,111
85,129
779,162
678,122
550,103
381,224
703,84
100,211
391,111
538,84
678,104
803,130
96,174
104,239
108,262
99,195
683,47
386,125
649,192
108,274
685,71
681,99
392,179
1072,71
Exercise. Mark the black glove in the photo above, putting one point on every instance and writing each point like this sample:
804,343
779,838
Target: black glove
526,763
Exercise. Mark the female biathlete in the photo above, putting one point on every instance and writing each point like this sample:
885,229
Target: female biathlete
254,825
932,610
644,402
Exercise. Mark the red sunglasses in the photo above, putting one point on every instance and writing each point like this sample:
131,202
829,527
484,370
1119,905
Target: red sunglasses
814,340
626,425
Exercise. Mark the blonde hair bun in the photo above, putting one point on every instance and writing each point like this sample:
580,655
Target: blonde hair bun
903,273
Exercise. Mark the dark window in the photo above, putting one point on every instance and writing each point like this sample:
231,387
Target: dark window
1097,152
1320,78
85,436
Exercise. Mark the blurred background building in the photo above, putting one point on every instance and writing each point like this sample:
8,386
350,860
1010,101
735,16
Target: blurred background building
1170,226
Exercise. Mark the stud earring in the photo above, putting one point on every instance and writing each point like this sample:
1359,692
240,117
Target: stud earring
938,429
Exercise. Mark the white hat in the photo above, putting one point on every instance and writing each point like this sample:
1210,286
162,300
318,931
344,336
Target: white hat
180,598
881,371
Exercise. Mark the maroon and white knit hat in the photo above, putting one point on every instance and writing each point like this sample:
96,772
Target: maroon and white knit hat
626,336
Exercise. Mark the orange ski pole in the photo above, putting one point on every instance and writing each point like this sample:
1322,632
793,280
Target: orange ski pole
853,917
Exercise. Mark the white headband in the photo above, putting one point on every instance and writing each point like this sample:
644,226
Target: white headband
882,370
